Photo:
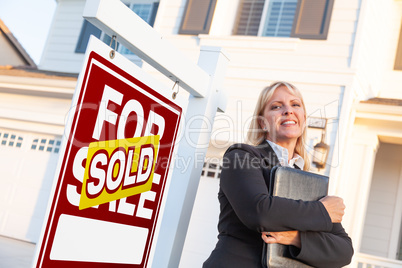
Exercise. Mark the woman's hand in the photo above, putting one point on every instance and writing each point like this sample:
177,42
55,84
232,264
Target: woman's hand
335,207
284,238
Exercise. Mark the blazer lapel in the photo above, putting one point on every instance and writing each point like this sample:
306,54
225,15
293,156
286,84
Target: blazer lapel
268,154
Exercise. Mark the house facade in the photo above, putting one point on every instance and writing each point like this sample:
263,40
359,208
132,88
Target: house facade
344,55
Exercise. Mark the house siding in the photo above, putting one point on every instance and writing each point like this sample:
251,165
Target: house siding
59,54
169,16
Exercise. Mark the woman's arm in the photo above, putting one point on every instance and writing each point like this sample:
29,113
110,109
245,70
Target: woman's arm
319,249
335,207
242,181
289,238
322,249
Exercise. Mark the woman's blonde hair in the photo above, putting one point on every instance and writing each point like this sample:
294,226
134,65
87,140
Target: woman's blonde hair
256,134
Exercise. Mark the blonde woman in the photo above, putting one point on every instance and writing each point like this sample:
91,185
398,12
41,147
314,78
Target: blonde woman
250,217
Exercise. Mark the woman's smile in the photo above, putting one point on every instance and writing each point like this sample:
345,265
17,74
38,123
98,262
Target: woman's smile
283,116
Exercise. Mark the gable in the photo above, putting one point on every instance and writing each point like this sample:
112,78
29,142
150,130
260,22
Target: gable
11,51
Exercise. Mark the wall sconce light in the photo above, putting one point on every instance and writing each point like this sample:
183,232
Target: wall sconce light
321,149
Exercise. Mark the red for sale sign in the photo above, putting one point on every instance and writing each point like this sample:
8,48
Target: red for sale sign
112,172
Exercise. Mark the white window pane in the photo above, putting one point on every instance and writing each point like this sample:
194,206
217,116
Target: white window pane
34,144
212,170
143,11
280,18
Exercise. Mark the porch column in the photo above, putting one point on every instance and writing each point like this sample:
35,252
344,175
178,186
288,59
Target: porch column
356,182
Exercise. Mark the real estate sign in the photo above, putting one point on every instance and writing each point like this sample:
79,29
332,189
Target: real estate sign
113,168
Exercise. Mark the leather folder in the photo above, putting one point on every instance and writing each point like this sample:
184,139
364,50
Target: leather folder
293,184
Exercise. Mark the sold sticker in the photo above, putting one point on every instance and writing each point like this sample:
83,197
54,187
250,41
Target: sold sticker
118,168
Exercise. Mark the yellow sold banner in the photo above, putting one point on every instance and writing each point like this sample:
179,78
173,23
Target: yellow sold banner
118,168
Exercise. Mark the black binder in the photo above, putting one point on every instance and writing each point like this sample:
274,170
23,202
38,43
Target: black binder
293,184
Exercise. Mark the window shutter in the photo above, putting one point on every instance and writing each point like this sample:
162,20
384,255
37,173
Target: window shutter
86,30
197,17
398,60
249,17
312,19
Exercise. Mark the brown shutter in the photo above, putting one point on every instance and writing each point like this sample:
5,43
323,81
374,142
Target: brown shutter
398,57
312,19
249,17
197,17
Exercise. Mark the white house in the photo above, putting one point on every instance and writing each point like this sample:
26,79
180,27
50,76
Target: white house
344,55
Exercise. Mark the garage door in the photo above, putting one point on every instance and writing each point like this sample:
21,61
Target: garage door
27,166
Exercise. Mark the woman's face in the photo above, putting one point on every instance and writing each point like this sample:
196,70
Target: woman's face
283,116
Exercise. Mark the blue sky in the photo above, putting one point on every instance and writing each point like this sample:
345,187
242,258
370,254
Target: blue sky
29,21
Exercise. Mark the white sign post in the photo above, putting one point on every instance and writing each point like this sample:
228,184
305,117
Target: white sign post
184,184
204,82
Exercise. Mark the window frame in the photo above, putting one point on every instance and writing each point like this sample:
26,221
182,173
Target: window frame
264,18
325,22
212,169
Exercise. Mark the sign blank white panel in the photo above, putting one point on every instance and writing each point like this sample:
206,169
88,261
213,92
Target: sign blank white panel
79,239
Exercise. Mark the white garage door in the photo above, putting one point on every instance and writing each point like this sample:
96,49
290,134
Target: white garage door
27,165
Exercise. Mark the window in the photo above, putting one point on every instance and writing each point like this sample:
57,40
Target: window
147,12
10,139
145,9
46,145
280,19
307,19
211,170
197,17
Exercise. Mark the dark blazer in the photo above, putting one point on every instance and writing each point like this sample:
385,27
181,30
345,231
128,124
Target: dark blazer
246,209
